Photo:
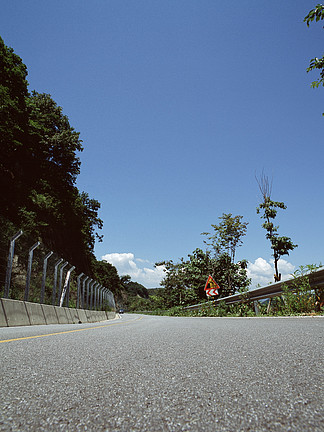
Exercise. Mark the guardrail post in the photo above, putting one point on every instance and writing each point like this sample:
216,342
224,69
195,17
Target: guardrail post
256,308
44,276
29,268
79,289
9,263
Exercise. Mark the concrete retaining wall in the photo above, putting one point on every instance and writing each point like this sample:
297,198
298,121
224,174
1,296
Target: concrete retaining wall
19,313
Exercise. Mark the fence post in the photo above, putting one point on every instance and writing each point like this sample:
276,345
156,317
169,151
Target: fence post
29,268
78,289
96,296
83,291
66,288
91,293
112,300
9,263
88,294
101,296
106,299
55,281
44,276
60,281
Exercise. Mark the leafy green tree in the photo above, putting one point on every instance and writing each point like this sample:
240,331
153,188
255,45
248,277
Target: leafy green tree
230,276
316,14
174,292
106,274
185,281
13,130
39,165
281,245
65,218
134,289
55,143
227,236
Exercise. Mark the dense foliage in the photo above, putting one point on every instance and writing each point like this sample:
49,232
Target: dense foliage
185,280
39,165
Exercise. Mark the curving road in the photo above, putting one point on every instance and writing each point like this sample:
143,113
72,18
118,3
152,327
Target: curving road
143,373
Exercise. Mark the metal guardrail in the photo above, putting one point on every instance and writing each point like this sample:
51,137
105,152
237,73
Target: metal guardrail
316,281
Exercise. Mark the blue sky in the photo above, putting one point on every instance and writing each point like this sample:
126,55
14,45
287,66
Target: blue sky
180,104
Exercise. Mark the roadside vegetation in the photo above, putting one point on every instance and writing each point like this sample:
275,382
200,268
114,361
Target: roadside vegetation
39,165
300,299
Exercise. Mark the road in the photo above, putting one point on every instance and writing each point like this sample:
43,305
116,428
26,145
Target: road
148,373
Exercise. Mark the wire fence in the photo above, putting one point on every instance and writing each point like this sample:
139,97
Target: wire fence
30,271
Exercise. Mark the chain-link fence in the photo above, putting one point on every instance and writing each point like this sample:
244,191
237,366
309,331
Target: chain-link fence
30,271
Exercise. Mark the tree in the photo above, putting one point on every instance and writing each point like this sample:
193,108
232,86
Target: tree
174,293
13,130
226,239
55,209
230,276
280,245
185,281
227,235
106,274
39,166
134,289
316,14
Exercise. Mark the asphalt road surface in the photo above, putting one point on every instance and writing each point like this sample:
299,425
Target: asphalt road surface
147,373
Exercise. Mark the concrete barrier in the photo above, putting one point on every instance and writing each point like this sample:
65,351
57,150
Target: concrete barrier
3,319
19,313
35,313
50,314
101,316
90,316
15,312
61,315
111,315
74,316
82,315
69,315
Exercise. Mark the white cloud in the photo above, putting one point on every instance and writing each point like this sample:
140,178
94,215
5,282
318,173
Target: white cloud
262,271
126,263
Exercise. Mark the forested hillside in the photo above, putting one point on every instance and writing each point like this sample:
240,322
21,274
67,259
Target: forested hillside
39,165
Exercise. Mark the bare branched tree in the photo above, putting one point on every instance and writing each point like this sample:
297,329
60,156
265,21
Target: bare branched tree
279,245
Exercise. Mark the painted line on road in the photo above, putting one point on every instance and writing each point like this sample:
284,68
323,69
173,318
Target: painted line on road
70,331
